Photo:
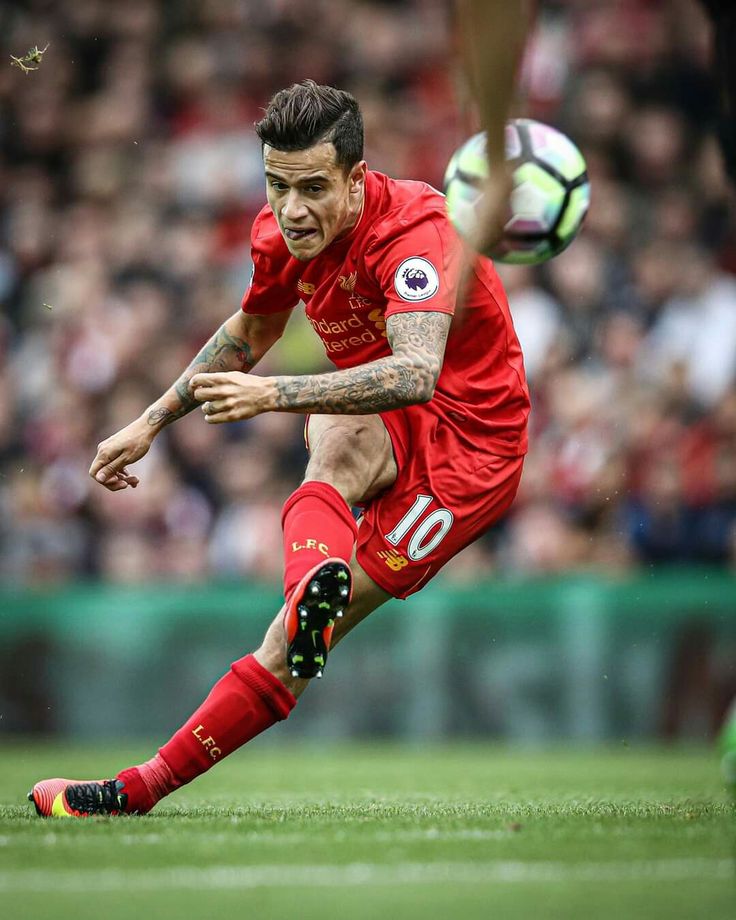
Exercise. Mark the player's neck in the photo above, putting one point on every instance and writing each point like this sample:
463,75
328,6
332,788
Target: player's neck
354,219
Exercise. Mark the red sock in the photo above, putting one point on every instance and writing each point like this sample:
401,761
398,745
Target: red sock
318,524
242,704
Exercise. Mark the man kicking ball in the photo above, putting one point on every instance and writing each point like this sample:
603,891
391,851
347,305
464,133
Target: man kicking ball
422,426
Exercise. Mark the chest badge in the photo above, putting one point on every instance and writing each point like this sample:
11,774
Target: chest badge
348,282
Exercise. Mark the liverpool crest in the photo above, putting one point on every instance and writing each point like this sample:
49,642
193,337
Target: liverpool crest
348,282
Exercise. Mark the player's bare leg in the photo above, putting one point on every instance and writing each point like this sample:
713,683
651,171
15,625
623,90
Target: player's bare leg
351,452
351,461
351,456
354,455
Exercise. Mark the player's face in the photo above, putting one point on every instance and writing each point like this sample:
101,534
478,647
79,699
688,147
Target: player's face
312,198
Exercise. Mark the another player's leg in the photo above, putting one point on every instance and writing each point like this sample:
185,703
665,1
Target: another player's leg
261,689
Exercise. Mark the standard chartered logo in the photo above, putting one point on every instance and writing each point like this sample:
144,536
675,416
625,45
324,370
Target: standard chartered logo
348,333
323,327
379,321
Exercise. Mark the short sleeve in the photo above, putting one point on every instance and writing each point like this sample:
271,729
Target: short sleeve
272,287
417,265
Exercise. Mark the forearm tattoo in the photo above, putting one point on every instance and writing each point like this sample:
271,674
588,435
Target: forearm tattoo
406,377
223,352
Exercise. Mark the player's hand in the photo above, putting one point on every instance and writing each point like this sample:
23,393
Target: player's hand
230,396
114,454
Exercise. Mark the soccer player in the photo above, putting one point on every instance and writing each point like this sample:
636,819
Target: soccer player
422,427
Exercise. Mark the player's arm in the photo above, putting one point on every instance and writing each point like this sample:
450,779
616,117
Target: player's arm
493,34
406,377
236,346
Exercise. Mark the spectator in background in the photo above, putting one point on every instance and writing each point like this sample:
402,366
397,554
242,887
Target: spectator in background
129,180
694,335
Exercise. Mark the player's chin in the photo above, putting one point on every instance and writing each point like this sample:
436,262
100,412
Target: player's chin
306,249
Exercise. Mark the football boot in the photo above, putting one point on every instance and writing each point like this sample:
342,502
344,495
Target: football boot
72,798
318,600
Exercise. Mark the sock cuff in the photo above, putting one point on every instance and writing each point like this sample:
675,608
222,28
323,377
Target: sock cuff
279,699
329,495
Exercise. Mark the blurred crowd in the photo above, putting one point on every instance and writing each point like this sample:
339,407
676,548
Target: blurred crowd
130,173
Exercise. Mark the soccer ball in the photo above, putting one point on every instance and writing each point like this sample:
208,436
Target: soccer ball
550,194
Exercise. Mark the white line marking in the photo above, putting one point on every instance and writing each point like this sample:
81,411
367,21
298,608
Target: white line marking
29,838
429,835
356,874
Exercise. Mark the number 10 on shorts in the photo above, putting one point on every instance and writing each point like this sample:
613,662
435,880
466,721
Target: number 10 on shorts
428,533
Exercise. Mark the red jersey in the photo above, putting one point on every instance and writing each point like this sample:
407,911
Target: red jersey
404,256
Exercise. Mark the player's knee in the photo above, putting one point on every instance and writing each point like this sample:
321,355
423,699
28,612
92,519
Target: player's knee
343,459
348,443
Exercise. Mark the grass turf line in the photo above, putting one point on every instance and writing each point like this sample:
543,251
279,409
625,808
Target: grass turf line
361,830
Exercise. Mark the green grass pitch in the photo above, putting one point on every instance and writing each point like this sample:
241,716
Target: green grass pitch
379,831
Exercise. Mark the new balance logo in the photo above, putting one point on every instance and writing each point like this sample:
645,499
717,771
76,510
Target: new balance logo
395,561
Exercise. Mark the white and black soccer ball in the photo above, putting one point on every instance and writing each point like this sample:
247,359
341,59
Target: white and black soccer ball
550,194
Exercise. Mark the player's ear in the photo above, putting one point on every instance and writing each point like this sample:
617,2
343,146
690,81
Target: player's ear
356,177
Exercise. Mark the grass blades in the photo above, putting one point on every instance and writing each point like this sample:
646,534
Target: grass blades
366,831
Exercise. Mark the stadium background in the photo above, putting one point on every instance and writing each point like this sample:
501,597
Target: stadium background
129,174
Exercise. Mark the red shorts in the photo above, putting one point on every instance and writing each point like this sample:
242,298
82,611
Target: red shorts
448,492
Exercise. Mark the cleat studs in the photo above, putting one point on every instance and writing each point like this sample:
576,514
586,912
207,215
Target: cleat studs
344,591
294,672
314,588
338,613
319,673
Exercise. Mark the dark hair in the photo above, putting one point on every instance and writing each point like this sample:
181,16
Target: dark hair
306,114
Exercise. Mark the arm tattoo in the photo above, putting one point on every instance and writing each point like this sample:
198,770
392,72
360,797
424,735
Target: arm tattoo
159,416
223,352
406,377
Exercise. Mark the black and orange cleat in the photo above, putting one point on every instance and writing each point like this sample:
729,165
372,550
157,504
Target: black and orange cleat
72,798
317,601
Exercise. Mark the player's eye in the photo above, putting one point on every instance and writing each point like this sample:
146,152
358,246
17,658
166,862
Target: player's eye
278,186
314,189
